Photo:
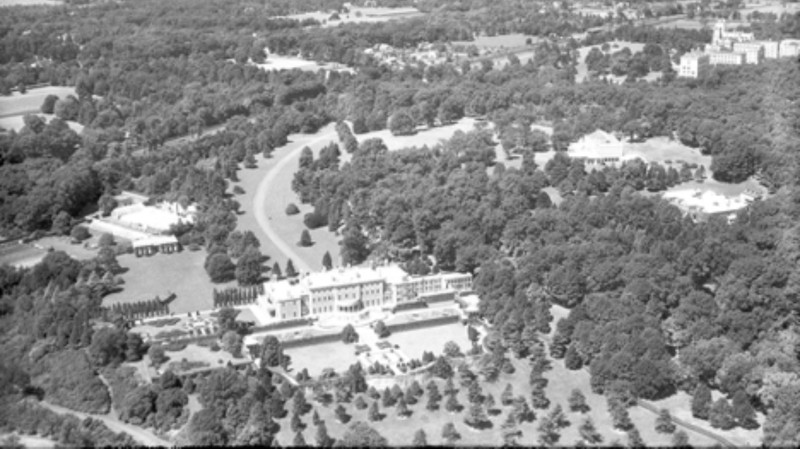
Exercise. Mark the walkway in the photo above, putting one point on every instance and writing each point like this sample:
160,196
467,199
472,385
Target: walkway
143,436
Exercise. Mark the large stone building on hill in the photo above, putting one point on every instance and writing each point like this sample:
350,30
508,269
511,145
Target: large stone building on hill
734,48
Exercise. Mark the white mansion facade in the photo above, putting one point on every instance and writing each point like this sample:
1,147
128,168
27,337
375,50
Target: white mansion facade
353,291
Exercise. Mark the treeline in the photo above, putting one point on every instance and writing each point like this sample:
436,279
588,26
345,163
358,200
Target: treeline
235,296
48,332
28,418
140,309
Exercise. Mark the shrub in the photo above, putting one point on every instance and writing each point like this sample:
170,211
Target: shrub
175,346
80,233
292,209
314,220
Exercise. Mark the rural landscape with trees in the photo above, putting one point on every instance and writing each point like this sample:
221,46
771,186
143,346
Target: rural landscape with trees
602,305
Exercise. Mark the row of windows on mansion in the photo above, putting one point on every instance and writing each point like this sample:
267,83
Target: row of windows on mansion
353,290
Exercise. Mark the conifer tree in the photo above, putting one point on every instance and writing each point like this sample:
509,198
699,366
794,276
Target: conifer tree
701,401
452,405
374,413
577,402
420,439
664,422
299,441
290,271
589,432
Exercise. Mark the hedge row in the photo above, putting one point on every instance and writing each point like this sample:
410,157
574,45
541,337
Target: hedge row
420,324
282,325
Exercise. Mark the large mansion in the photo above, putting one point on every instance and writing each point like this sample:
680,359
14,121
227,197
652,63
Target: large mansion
354,291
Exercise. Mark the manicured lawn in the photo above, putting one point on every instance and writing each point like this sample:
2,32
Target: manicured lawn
162,274
17,122
278,62
414,342
32,440
359,15
22,255
76,251
502,40
661,150
31,101
316,358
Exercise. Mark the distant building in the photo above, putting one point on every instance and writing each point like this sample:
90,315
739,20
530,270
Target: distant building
753,51
737,48
353,292
598,147
722,38
789,48
701,205
693,65
725,58
771,49
163,243
155,220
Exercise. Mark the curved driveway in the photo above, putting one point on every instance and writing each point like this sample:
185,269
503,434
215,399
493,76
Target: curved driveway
268,186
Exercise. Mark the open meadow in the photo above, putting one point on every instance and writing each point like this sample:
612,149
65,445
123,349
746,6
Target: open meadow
31,101
4,3
160,275
17,122
416,341
280,62
358,15
33,441
29,254
769,7
509,41
20,254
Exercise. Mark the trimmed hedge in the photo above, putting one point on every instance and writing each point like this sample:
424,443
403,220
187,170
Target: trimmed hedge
410,306
426,323
282,325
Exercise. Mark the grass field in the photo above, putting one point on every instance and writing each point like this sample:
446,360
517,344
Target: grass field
31,440
278,62
316,358
4,3
686,24
500,41
767,7
16,122
20,255
31,101
359,15
414,342
161,274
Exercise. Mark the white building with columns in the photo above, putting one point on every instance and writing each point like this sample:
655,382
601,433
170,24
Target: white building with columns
354,292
